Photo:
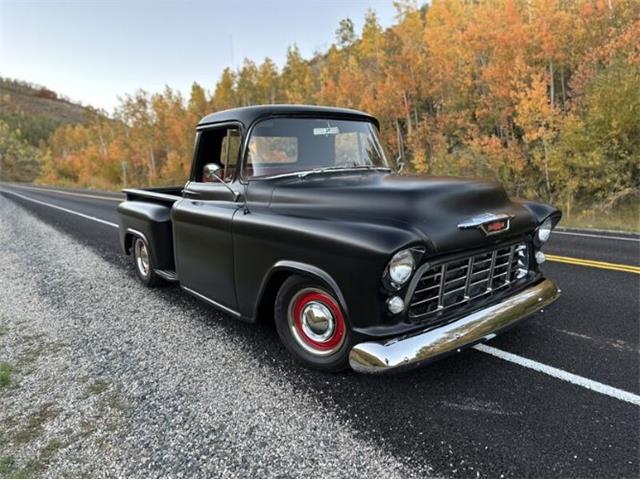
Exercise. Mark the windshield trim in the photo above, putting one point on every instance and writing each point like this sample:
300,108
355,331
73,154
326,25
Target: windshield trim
243,178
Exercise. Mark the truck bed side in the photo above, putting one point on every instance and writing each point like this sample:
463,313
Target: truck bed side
147,213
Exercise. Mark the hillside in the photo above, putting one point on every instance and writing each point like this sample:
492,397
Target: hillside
29,114
36,111
22,97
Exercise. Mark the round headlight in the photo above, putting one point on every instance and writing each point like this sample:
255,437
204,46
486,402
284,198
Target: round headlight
401,267
544,230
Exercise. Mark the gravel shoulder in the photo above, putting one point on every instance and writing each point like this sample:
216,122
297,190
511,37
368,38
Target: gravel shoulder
100,377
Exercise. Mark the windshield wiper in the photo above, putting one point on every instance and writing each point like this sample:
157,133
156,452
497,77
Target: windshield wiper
341,167
320,170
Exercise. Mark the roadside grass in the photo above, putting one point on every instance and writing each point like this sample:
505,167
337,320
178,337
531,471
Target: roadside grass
6,371
35,424
6,466
625,217
3,330
33,467
98,387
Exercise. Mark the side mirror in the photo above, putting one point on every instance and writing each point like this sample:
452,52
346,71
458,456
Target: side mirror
211,172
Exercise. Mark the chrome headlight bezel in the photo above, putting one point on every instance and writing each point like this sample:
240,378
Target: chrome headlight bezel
401,267
543,232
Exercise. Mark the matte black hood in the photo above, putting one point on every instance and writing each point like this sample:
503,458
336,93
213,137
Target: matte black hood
430,206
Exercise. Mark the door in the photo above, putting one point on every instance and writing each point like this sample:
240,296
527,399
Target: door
203,219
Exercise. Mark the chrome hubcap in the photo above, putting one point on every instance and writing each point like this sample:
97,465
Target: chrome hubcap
142,257
317,321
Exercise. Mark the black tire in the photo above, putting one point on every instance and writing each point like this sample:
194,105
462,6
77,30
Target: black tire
297,302
142,263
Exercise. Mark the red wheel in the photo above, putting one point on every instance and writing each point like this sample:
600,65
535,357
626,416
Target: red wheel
316,321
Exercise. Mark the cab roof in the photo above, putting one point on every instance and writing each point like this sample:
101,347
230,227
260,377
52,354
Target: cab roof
248,115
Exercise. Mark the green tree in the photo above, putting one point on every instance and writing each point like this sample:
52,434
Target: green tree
345,34
19,161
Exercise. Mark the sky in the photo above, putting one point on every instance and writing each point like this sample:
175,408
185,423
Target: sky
93,51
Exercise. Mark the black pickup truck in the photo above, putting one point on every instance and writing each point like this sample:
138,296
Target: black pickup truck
293,213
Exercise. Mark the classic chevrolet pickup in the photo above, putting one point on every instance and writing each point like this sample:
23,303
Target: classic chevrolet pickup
293,213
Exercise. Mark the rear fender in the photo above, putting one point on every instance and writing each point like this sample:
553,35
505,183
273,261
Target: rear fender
152,223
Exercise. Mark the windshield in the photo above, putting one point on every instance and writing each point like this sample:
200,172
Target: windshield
297,145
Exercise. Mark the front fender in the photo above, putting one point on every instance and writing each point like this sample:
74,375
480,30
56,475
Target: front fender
349,257
293,267
541,211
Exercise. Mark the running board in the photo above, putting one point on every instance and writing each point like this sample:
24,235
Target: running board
168,275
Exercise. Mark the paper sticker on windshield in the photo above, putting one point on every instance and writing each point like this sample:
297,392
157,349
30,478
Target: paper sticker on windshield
326,131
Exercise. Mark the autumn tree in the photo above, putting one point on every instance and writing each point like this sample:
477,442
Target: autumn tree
297,78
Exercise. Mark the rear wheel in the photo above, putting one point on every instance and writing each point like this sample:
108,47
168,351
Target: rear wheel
143,264
311,324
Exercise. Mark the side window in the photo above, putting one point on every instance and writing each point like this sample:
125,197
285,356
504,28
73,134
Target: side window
229,153
220,146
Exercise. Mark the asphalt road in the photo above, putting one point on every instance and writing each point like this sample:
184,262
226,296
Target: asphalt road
556,397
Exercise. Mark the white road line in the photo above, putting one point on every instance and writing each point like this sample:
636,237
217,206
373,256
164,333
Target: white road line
593,235
75,194
561,374
73,212
509,357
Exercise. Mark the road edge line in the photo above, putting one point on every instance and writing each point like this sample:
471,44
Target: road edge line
593,235
74,194
73,212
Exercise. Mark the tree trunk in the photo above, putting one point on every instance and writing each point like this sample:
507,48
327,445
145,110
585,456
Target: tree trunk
564,89
103,146
546,169
407,111
152,165
552,92
398,138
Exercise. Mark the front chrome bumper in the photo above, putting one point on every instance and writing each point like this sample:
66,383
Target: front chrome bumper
427,346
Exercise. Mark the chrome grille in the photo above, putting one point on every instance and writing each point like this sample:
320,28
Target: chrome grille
462,282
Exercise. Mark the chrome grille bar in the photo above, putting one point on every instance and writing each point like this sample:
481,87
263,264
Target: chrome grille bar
443,276
493,265
468,281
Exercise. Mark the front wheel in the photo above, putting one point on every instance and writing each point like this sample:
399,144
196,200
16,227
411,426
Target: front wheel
143,264
311,324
